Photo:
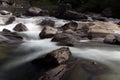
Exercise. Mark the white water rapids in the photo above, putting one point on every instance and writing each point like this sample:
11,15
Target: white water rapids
106,55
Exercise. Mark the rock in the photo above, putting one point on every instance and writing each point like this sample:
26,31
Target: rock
54,74
3,39
101,29
47,22
35,11
54,58
10,20
48,32
20,27
4,12
6,30
10,37
94,67
66,38
112,39
72,15
70,26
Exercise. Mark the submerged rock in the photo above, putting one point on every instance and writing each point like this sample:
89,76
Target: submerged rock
48,32
20,27
54,58
11,36
55,73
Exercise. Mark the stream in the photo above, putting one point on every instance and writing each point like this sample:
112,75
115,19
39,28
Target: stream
15,58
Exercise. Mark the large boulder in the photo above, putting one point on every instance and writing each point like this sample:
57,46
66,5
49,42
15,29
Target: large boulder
54,58
66,38
112,39
20,27
35,11
47,22
98,29
48,32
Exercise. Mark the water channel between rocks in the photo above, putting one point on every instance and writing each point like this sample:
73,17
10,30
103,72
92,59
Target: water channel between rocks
15,58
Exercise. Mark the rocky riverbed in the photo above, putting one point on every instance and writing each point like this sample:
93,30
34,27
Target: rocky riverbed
82,46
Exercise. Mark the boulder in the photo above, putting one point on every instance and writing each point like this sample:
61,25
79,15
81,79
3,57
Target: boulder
54,58
101,29
35,11
70,26
4,12
48,32
20,27
112,39
10,20
47,22
55,73
66,38
6,30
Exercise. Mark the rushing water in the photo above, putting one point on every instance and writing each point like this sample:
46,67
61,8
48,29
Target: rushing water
17,66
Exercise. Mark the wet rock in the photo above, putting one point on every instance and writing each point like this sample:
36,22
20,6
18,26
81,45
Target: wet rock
35,11
112,39
6,30
54,58
70,26
94,67
66,39
47,22
10,20
4,12
20,27
48,32
55,73
6,37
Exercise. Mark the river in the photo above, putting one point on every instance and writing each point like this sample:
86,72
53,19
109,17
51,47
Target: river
15,59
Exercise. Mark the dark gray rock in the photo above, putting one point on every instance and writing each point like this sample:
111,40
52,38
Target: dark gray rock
6,30
47,22
54,58
20,27
66,38
10,20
